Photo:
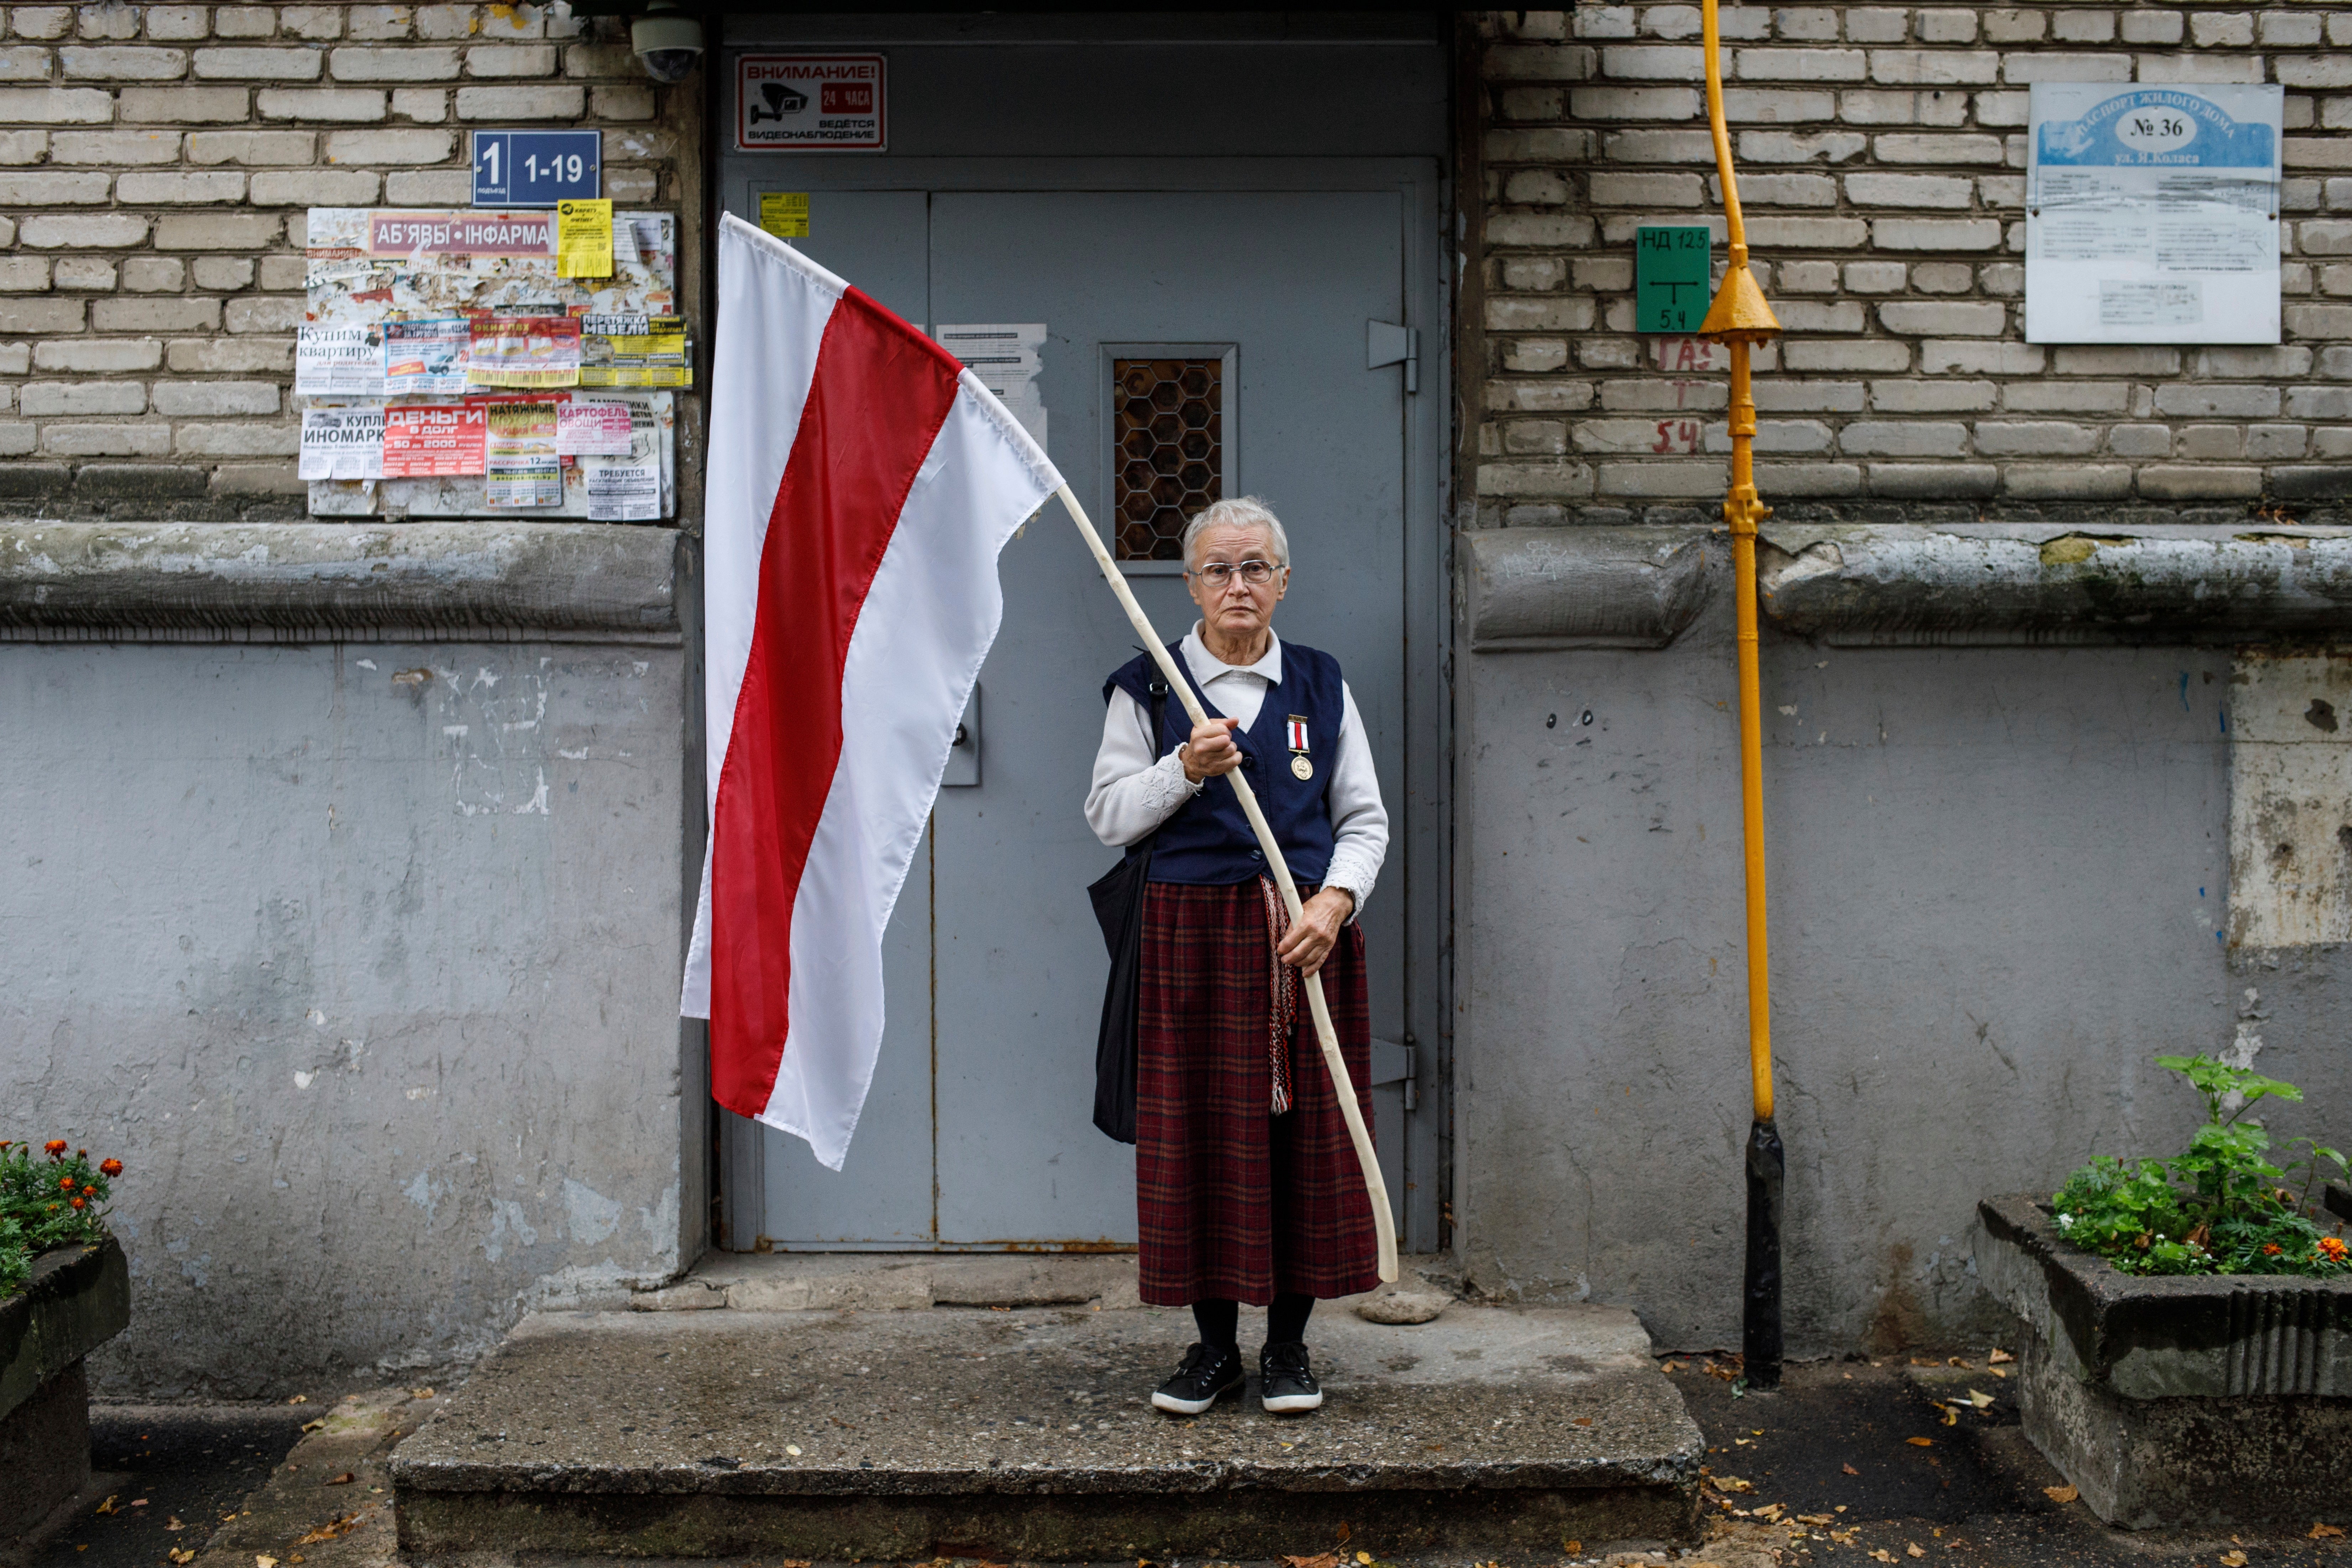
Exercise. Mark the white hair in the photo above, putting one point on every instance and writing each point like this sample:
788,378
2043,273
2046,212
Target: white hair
1246,512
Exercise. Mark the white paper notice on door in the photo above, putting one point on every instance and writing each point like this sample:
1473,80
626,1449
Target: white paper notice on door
2151,214
1005,356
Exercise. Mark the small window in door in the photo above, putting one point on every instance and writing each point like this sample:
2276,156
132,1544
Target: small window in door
1169,456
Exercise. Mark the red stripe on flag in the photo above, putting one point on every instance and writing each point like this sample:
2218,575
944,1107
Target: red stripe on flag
879,395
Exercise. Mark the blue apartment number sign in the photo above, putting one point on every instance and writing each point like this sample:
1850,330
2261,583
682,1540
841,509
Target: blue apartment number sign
537,168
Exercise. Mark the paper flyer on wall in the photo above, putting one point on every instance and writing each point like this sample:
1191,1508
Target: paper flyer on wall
337,360
342,443
2152,213
624,492
630,350
426,441
425,359
1006,356
587,426
524,350
519,459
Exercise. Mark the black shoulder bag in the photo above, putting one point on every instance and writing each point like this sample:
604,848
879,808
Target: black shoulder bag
1118,898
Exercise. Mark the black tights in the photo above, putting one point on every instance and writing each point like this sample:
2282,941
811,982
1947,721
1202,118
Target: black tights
1219,1321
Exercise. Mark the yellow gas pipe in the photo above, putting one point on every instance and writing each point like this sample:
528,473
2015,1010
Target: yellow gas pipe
1741,318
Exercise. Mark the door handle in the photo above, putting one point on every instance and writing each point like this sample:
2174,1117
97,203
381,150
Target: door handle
1386,343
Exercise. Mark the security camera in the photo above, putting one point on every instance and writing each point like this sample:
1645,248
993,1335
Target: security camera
667,43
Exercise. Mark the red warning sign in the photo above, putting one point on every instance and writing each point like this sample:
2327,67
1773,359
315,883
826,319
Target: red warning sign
807,102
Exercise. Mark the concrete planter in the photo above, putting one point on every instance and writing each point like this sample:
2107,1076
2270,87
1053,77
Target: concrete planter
78,1298
2196,1401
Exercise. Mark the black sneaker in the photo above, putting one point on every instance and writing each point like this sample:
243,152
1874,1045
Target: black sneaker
1206,1376
1285,1385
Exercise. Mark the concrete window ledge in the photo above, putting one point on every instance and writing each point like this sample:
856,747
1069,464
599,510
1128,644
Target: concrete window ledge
327,581
1536,588
1996,583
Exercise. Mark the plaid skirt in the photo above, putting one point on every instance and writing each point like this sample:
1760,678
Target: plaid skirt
1234,1202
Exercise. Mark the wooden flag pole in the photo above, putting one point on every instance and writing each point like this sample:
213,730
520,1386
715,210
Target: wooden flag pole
1383,1222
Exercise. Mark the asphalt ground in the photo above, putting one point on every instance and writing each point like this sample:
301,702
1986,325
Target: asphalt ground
171,1474
1895,1456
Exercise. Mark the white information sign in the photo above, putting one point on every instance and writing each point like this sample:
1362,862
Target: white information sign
337,360
801,103
342,443
2152,213
1005,356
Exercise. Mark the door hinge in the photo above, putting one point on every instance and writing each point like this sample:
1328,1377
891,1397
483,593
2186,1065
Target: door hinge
1386,343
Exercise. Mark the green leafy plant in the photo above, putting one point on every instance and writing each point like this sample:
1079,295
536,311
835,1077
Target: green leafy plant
58,1199
2217,1208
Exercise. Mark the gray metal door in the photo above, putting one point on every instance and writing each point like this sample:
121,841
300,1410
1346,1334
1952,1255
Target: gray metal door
1280,273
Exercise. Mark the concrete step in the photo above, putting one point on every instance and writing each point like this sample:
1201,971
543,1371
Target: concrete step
1028,1433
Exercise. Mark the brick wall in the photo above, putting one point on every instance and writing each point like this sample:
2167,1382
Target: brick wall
1882,158
155,163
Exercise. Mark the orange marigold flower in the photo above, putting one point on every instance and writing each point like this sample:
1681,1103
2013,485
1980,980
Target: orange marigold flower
79,1201
2333,1248
65,1184
2271,1250
111,1167
56,1146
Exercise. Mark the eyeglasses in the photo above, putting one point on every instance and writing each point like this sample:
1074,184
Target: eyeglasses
1256,574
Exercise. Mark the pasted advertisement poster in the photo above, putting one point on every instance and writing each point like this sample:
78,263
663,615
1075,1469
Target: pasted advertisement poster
807,102
424,441
2152,213
425,359
343,443
520,457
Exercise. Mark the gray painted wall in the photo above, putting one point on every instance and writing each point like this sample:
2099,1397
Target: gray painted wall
1996,877
364,958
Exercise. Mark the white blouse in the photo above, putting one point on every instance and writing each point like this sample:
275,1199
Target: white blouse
1133,793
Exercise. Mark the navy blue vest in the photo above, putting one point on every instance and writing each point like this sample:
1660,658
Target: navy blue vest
1209,841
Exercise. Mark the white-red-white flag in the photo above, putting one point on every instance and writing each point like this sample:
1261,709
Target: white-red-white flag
860,484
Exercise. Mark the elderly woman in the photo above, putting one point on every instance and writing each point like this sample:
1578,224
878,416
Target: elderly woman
1247,1187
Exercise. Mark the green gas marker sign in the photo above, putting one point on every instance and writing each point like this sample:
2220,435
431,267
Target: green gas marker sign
1671,264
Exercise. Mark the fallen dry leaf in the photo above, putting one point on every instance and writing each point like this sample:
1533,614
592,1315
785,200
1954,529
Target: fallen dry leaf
1365,1557
2323,1531
420,1393
1815,1519
173,1522
1912,1549
346,1478
1584,1421
139,1503
1960,1362
1921,1442
1320,1560
2233,1559
1344,1532
1951,1414
2061,1494
107,1506
1772,1512
1882,1556
314,1425
1979,1400
1849,1470
1731,1484
1998,1356
1572,1548
297,1399
182,1554
263,1560
341,1524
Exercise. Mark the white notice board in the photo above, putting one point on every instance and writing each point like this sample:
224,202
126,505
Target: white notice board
2152,213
